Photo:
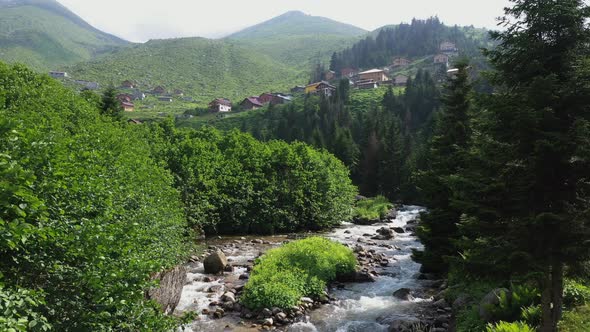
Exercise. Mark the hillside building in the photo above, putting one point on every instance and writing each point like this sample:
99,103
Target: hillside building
128,107
220,105
441,59
400,80
400,62
377,75
322,88
251,103
58,74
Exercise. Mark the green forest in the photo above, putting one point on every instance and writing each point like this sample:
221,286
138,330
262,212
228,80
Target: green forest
92,207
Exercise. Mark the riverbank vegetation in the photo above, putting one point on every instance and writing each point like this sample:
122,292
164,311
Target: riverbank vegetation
231,183
282,276
372,208
91,207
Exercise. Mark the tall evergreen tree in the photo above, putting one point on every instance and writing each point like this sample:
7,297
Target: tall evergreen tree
527,190
446,157
110,104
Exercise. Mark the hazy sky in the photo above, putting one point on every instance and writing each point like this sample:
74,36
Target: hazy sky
141,20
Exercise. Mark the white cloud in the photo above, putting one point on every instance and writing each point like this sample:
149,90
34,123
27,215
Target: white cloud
140,20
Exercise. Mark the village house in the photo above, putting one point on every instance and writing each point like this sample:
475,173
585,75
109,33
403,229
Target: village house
348,72
159,90
138,95
448,47
128,84
87,85
330,75
178,92
251,103
124,97
322,88
366,84
165,99
400,62
442,59
279,99
298,89
265,98
220,105
134,121
400,80
377,75
127,107
58,74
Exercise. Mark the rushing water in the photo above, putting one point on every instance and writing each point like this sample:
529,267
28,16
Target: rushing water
358,306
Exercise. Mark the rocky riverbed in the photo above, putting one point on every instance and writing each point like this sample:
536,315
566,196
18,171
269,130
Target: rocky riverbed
388,294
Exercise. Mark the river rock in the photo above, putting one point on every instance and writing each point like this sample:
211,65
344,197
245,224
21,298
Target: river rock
491,300
398,230
365,221
385,232
267,322
228,297
405,324
404,294
461,302
266,313
215,263
244,276
257,241
168,293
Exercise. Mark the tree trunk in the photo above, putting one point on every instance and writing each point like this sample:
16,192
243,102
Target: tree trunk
552,297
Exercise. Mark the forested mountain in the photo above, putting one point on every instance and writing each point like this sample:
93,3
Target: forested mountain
297,39
418,39
202,68
46,35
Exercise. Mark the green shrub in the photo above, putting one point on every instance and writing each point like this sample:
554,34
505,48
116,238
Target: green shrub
531,315
20,310
372,208
300,268
509,327
233,183
512,304
576,320
86,213
575,293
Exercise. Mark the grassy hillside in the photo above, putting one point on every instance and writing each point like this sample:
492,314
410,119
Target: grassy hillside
44,35
204,69
298,39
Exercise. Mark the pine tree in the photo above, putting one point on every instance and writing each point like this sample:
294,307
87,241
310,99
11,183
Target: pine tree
110,104
526,190
446,157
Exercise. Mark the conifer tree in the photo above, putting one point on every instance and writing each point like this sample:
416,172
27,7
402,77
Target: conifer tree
446,157
526,191
110,104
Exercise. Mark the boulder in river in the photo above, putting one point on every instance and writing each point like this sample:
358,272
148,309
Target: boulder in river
398,230
385,232
404,294
491,300
215,263
168,293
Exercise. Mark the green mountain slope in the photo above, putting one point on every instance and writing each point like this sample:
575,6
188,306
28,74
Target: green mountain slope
298,39
44,35
202,68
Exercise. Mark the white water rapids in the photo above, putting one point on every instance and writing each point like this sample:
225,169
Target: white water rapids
358,307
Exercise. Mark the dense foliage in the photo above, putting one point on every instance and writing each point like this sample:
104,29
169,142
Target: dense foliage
86,214
232,183
301,268
520,186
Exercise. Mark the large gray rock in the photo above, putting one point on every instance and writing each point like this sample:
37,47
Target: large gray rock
404,294
168,293
462,301
404,324
215,263
489,302
385,232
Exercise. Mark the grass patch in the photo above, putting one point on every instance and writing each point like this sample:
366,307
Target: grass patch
576,320
372,208
300,268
